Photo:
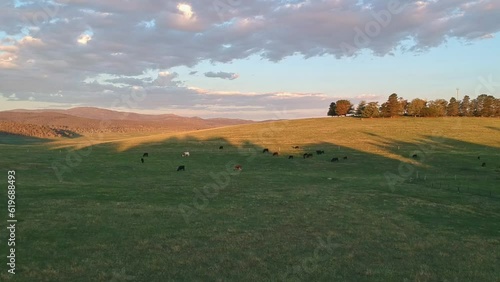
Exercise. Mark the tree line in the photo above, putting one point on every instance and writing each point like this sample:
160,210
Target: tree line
482,106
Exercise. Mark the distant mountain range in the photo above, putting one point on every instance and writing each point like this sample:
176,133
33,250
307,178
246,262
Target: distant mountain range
88,120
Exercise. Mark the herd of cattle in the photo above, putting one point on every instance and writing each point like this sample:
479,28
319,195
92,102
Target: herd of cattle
266,150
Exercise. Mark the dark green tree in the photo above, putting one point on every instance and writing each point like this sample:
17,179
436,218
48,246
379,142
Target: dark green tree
332,111
453,108
465,107
371,110
361,107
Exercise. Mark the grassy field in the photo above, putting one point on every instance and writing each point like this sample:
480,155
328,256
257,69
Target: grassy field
98,214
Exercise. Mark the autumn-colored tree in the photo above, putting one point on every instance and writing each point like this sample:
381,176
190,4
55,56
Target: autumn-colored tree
343,107
392,107
416,106
484,106
436,108
403,106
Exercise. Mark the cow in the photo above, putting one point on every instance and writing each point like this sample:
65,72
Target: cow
275,154
335,160
478,157
142,160
415,156
221,147
345,158
145,155
307,155
266,150
290,157
483,165
319,152
238,167
181,167
185,154
295,147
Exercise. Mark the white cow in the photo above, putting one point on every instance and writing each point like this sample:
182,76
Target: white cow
185,154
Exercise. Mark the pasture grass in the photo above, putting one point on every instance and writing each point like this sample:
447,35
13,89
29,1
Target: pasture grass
108,217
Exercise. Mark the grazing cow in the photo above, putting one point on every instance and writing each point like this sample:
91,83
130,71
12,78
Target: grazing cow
415,156
295,147
275,154
290,157
145,155
185,154
307,155
483,165
319,152
266,150
181,167
221,147
142,160
345,158
238,167
335,160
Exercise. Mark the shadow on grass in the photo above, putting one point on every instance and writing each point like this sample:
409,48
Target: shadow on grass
16,139
441,162
271,212
493,128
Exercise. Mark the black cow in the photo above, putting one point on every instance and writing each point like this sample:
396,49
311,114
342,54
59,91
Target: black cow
307,155
290,157
145,155
319,152
415,156
181,167
483,165
142,160
345,158
295,147
478,157
266,150
335,160
275,154
221,147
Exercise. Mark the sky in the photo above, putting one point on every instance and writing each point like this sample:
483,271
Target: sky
250,59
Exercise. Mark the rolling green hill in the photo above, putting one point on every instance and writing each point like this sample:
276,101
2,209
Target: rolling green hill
99,214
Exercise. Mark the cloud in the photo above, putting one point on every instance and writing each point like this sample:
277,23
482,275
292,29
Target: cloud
61,46
193,72
223,75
